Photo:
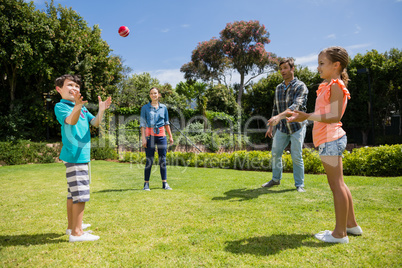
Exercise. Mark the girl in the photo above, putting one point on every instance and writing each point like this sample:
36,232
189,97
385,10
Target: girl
328,135
154,120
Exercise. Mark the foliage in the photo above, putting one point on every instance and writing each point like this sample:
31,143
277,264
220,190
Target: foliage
221,99
24,152
370,161
385,82
240,47
374,161
134,93
242,160
14,127
103,148
38,46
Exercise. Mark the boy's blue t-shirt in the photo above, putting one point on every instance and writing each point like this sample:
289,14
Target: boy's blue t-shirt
76,138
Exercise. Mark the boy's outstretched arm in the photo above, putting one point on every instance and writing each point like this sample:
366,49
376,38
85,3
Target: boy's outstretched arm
72,119
103,105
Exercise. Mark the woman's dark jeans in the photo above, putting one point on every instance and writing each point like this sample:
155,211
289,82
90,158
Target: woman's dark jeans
161,144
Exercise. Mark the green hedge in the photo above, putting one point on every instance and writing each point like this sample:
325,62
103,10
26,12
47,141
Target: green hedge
385,160
24,152
368,161
242,160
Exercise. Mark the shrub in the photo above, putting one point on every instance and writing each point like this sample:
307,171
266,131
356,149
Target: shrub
312,162
103,148
24,151
374,161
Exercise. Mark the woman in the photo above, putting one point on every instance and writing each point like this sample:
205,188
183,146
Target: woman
154,121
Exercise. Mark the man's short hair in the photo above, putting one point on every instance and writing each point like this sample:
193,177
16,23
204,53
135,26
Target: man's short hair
289,61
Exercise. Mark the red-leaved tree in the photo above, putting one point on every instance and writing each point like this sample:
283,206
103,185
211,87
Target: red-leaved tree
241,47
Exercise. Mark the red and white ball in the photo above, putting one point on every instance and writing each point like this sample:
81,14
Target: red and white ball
124,31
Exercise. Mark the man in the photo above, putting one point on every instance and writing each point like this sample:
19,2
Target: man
290,95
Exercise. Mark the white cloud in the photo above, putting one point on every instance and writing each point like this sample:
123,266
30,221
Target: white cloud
165,30
171,76
358,28
185,25
331,36
357,46
306,59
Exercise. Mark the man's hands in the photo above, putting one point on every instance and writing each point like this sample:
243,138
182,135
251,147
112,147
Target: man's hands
297,116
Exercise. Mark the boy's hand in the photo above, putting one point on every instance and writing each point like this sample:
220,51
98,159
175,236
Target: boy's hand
103,105
78,98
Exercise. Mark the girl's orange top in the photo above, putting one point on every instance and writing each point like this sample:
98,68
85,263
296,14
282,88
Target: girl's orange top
324,132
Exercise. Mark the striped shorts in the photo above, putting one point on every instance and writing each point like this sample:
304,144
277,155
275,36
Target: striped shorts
78,182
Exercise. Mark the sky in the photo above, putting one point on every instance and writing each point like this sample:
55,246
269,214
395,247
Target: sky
164,33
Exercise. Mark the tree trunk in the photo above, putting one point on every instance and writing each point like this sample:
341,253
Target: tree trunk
12,80
241,89
365,136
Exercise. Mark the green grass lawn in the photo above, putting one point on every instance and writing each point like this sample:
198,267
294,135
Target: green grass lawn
212,218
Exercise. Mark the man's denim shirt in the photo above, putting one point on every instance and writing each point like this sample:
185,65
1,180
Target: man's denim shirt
154,117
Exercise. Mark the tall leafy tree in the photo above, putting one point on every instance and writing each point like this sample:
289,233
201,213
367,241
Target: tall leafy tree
24,44
385,90
241,47
38,46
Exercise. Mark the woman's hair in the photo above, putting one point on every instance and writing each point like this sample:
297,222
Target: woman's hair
60,80
289,61
154,88
340,54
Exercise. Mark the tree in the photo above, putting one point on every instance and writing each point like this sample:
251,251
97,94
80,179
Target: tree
134,92
221,99
38,46
241,47
25,37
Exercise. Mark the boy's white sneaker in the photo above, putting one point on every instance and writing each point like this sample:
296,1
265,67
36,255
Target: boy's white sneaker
84,237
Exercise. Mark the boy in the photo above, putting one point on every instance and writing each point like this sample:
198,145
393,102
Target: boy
75,153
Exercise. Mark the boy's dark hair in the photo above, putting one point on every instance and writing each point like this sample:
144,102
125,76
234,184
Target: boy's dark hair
289,61
60,80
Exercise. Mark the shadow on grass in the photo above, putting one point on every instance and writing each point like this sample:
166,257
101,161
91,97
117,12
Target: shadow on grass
270,245
28,240
246,194
116,190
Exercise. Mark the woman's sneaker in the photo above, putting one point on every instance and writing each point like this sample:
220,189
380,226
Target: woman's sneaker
357,230
166,186
146,187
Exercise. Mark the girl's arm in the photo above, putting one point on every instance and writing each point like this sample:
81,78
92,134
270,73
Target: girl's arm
334,116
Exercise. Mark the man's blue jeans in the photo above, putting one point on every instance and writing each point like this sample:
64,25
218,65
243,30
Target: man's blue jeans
281,140
161,143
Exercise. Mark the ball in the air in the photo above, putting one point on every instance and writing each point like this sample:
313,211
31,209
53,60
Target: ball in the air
124,31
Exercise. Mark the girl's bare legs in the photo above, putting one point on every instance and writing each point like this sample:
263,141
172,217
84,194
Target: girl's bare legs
344,213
